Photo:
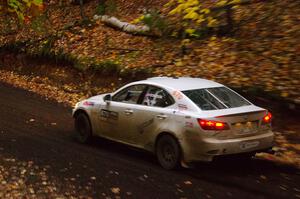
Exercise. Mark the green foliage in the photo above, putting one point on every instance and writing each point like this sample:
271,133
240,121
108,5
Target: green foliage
154,20
38,24
103,66
46,46
107,7
22,8
100,9
110,6
106,66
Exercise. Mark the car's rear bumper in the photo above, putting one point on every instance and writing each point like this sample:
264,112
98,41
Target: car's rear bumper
205,149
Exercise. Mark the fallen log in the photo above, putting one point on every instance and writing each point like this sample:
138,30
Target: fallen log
124,26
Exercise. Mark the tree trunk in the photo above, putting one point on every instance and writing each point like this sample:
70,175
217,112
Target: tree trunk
81,9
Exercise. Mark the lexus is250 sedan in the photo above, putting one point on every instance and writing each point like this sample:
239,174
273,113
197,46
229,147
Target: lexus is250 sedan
181,120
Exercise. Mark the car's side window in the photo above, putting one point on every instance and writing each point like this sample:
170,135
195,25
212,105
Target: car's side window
130,94
157,97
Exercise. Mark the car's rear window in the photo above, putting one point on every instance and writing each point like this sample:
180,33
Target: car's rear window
215,98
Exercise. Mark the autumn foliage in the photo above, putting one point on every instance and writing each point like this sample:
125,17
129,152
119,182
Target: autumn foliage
261,53
23,9
191,15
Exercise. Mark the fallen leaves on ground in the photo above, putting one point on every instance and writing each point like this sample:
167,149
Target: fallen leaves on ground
20,179
286,153
47,88
187,182
263,53
115,190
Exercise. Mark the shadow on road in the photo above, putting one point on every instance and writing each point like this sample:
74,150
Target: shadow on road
237,165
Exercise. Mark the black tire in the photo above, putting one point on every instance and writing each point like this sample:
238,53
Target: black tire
83,128
168,152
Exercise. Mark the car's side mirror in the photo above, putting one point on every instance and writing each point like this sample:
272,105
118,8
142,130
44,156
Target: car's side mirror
107,98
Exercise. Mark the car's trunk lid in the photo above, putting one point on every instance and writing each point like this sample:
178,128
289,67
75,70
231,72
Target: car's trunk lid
242,121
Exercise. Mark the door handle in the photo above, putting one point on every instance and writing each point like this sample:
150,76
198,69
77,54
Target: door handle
128,111
161,116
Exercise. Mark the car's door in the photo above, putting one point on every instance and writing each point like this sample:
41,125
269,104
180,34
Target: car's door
153,113
116,115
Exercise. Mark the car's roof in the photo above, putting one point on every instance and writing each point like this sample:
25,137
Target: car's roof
181,83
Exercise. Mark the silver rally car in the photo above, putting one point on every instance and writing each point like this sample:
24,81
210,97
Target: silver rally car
181,120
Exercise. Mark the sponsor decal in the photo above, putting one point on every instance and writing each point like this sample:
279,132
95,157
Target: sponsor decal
109,115
87,103
177,94
189,124
182,107
144,125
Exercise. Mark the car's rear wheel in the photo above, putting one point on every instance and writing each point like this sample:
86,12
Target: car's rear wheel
168,152
83,128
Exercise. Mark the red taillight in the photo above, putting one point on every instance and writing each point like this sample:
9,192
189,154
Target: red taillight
267,118
212,125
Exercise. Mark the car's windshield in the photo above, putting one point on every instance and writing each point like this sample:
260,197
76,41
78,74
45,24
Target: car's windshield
215,98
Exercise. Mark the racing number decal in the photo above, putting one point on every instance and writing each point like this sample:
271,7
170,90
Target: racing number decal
109,115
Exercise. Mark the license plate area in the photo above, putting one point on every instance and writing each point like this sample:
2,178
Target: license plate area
248,127
249,145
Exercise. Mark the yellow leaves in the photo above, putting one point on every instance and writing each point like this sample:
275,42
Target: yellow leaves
137,20
200,19
285,152
192,3
213,38
115,190
284,94
185,42
178,9
234,1
179,64
190,31
191,15
228,2
191,9
185,7
205,11
211,22
170,3
222,3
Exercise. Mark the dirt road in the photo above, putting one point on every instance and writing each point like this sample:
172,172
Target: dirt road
39,158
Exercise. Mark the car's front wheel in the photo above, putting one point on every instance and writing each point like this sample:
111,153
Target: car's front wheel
83,128
168,152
